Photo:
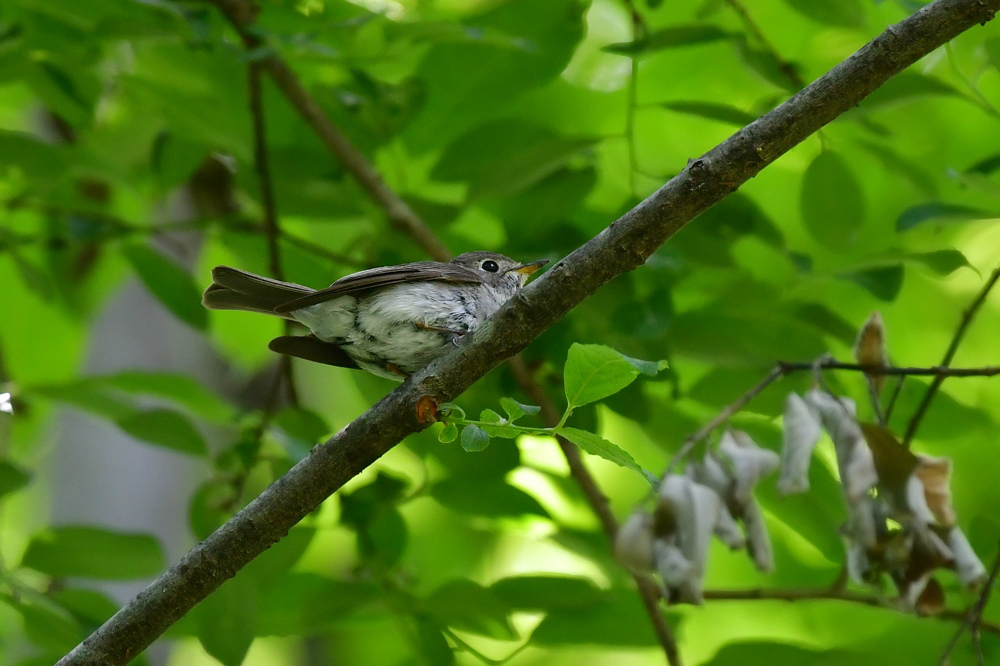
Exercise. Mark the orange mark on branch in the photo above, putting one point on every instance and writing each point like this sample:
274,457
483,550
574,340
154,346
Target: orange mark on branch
427,410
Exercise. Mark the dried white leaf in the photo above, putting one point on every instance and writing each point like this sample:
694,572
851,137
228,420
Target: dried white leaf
862,521
634,542
968,566
909,594
802,432
916,501
857,563
710,472
749,462
758,541
680,576
695,509
728,530
854,458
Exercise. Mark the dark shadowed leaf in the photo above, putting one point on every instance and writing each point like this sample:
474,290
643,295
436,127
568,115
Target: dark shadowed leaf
433,645
93,552
904,87
547,593
620,620
467,605
504,157
166,428
227,621
883,282
724,113
832,203
845,13
943,212
12,478
670,38
485,497
171,284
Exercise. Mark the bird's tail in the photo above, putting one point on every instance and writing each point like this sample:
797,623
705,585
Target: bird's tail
233,289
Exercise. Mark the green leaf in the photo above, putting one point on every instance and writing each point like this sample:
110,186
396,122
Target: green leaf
93,552
670,38
883,282
598,446
489,497
303,429
166,428
905,87
620,620
942,262
503,157
474,438
544,593
12,478
170,283
433,645
516,410
832,203
89,607
184,390
724,113
945,212
227,621
467,605
448,434
844,13
594,372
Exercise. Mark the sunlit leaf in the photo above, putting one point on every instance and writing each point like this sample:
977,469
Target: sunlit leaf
594,372
598,446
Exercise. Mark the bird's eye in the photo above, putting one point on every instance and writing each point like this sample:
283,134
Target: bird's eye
490,266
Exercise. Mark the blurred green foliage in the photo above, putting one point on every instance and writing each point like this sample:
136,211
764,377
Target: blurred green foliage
521,126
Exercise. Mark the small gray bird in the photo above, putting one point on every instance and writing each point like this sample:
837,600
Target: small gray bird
390,321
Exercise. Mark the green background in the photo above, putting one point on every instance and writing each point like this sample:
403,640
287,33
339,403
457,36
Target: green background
522,126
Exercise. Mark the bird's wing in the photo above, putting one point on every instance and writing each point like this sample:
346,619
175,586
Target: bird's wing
385,276
313,349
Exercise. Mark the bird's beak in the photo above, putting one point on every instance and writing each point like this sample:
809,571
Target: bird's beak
528,269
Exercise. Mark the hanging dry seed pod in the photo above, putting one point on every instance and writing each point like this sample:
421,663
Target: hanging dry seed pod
870,349
802,431
693,510
749,463
634,542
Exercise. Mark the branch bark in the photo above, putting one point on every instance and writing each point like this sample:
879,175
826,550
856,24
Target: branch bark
623,246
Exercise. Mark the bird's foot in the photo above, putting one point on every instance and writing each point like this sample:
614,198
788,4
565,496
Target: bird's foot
456,336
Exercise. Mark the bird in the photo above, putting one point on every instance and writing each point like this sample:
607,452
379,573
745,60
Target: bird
389,321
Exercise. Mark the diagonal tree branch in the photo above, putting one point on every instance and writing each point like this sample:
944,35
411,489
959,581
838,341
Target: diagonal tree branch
621,247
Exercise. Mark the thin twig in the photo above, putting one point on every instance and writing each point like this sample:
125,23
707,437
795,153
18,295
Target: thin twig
784,367
973,619
776,373
830,594
271,225
892,399
932,390
638,34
